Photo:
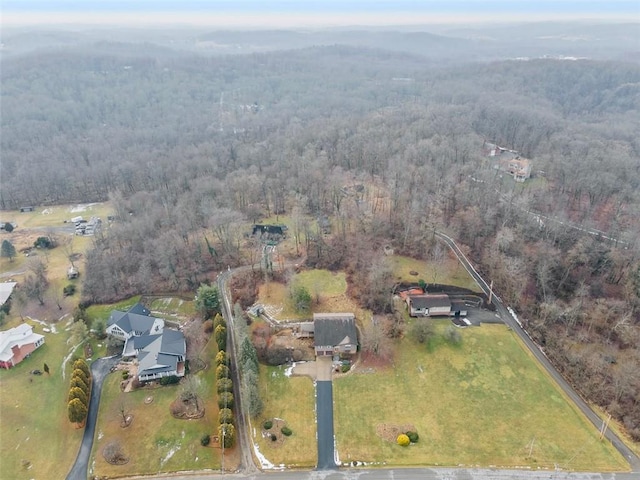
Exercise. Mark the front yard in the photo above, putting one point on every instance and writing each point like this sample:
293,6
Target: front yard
485,402
291,399
482,403
156,441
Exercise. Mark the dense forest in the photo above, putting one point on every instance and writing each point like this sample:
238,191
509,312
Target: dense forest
388,145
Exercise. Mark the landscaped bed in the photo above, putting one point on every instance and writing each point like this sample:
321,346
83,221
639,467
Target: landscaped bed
290,400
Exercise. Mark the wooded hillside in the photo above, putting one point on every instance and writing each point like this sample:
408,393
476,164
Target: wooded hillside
387,145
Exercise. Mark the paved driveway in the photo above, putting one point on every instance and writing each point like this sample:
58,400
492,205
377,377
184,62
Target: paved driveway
99,370
324,412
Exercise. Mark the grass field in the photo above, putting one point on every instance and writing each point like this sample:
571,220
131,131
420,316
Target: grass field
329,287
155,441
37,440
447,272
293,400
54,216
482,403
172,308
103,311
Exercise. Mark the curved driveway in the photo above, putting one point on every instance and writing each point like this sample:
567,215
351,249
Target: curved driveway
626,452
99,371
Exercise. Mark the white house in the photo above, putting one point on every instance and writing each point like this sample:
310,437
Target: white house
18,343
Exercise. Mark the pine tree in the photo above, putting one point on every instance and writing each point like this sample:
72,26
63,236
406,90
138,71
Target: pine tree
7,250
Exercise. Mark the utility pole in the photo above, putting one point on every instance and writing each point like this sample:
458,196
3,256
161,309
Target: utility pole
490,292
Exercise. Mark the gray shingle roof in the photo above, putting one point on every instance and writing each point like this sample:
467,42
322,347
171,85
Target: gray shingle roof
160,352
332,329
429,301
136,319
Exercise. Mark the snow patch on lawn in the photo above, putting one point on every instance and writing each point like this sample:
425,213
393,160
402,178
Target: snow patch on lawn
170,454
289,370
68,357
50,326
264,463
81,207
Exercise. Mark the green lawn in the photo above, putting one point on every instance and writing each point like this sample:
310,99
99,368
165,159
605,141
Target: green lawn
293,400
155,441
173,308
37,439
481,403
447,272
327,287
324,282
57,214
103,311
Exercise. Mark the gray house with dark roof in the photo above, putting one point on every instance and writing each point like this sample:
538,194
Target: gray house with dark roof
335,333
160,352
134,322
160,355
431,305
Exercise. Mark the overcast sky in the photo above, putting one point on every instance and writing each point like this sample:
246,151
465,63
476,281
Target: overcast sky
269,13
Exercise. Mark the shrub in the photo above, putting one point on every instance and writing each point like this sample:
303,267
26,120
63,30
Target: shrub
345,367
220,335
219,320
403,440
225,400
80,364
222,371
170,380
413,436
267,425
69,290
227,434
224,385
43,242
225,415
207,327
222,358
125,375
286,431
205,440
273,437
452,335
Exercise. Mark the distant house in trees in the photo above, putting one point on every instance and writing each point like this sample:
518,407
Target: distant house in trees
18,343
508,161
72,272
260,229
335,333
160,352
433,305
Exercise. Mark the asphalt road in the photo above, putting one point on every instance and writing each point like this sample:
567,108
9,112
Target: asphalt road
408,474
99,371
627,453
324,412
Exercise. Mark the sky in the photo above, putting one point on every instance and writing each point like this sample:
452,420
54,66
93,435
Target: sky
269,13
